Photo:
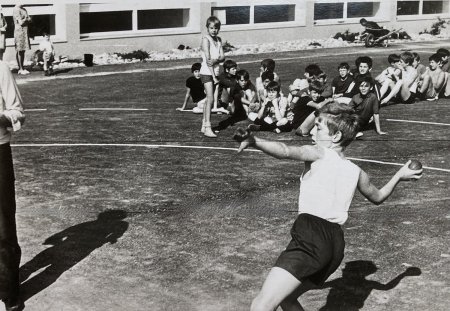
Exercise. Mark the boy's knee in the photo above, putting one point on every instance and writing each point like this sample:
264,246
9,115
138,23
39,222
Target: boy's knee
260,303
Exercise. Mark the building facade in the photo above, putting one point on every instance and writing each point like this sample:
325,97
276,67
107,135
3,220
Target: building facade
79,27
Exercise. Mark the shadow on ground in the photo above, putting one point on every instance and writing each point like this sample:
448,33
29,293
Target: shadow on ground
69,247
350,291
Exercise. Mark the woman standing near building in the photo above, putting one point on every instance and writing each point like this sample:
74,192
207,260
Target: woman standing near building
2,34
21,38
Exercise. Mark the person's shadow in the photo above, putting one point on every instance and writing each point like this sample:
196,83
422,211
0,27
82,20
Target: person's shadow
350,291
70,246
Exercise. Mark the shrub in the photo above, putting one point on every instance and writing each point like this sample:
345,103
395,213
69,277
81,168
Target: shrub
227,47
436,27
139,54
346,35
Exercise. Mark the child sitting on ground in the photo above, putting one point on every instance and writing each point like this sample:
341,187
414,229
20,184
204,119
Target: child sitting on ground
227,81
327,88
271,115
311,72
46,54
445,54
266,78
363,69
243,101
366,106
327,187
432,81
340,85
267,64
194,90
390,79
297,89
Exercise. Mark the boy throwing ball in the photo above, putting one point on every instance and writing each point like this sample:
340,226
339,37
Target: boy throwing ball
328,184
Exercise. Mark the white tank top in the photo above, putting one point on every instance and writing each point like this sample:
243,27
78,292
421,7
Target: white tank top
214,53
327,189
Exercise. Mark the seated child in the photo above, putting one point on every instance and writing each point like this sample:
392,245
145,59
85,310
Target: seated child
341,85
271,115
363,69
46,54
444,59
312,71
243,103
267,64
432,81
390,79
366,106
227,81
327,88
296,90
328,184
266,78
420,68
408,88
303,120
194,90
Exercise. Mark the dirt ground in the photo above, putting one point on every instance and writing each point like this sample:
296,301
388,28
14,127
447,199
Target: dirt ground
136,210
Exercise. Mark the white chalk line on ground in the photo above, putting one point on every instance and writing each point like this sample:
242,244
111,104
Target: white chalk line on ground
420,122
199,147
113,109
37,109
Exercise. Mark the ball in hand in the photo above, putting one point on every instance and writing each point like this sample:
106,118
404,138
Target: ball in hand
415,165
241,135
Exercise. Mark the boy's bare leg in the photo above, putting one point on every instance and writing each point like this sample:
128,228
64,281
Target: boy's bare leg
425,84
385,87
447,85
278,285
405,93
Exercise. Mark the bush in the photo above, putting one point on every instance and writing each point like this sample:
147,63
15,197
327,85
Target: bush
436,27
227,47
139,54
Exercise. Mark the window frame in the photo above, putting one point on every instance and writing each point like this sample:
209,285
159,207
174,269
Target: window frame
192,26
299,18
420,15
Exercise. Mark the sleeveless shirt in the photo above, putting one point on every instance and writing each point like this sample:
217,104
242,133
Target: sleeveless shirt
214,52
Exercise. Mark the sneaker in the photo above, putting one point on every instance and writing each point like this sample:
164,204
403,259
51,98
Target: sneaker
197,110
25,72
359,134
432,99
223,110
253,127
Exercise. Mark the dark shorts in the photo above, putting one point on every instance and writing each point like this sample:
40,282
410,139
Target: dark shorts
206,79
315,251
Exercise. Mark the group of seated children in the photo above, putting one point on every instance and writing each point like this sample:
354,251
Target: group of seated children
404,81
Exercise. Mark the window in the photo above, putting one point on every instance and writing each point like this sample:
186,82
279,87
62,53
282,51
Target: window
169,18
328,10
42,20
232,15
362,9
422,7
274,13
105,21
408,7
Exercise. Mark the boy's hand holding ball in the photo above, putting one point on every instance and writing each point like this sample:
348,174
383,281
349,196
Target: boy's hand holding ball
412,170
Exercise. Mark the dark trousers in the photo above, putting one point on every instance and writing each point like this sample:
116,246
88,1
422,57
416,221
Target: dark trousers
272,126
238,115
9,247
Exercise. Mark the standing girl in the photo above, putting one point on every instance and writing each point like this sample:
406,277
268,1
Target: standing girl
21,38
2,34
212,55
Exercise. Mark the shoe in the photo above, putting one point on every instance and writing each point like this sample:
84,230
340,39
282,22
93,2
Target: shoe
215,110
253,127
25,72
197,110
17,305
208,132
223,110
432,99
359,134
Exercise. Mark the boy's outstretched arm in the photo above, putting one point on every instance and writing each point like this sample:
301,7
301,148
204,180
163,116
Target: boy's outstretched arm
280,150
378,196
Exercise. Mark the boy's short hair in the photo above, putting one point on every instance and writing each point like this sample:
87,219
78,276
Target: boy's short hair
368,80
316,86
268,64
436,57
313,70
321,75
363,21
242,73
407,57
213,20
228,64
344,65
416,56
363,59
443,51
196,66
45,33
267,75
393,58
273,86
340,117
